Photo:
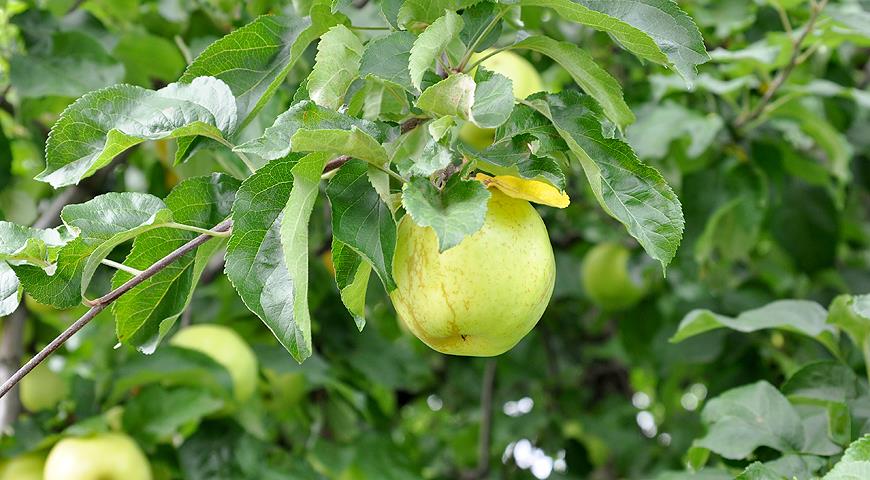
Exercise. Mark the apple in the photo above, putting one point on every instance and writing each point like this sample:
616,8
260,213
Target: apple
481,297
607,280
227,348
526,81
24,467
42,389
107,456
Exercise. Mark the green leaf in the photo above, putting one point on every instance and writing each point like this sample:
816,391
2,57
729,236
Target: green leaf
745,418
452,96
146,313
528,126
660,125
477,19
10,290
387,58
256,259
851,314
630,191
656,30
34,246
418,154
352,278
822,382
254,60
157,413
493,99
799,316
148,57
507,159
593,79
379,98
102,224
429,45
456,211
76,64
758,471
361,220
5,160
315,128
336,66
855,463
82,141
838,151
427,11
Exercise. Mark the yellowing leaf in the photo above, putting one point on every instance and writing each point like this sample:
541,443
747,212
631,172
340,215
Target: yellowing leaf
531,190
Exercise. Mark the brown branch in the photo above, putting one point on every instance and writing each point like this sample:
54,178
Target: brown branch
484,441
11,349
101,303
783,74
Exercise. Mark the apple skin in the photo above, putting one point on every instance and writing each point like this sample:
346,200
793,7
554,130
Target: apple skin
526,81
606,278
42,389
227,348
24,467
481,297
108,456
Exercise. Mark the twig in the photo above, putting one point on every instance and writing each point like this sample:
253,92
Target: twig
484,441
11,349
101,303
783,74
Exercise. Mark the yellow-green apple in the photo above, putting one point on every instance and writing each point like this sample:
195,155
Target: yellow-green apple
606,277
482,296
107,456
42,389
24,467
227,348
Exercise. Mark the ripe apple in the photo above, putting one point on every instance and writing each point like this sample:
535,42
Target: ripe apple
42,389
526,81
481,297
107,456
24,467
607,280
227,348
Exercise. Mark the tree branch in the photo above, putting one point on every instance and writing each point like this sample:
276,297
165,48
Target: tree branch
11,349
484,441
101,303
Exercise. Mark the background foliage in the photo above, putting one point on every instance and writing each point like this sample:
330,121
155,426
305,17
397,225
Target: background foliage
748,358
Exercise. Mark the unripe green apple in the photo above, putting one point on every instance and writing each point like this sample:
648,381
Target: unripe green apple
42,389
607,280
24,467
108,456
227,348
481,297
526,81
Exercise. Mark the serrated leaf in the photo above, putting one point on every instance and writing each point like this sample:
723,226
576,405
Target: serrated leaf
336,66
822,382
632,192
102,124
255,259
255,59
158,413
656,30
662,123
387,58
416,153
352,278
477,19
34,246
503,158
380,99
76,64
456,211
102,223
427,11
10,290
318,129
855,463
524,189
431,43
146,313
452,96
528,126
594,80
493,99
361,220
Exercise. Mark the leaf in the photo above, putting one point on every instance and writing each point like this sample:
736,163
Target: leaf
416,153
758,471
593,79
427,11
380,99
101,224
361,220
157,414
745,418
529,128
660,124
10,291
254,60
477,19
630,191
336,66
452,96
493,99
822,382
147,312
256,263
851,314
655,30
855,463
387,58
75,64
319,129
5,160
429,45
102,124
456,211
505,159
352,279
34,246
799,316
147,58
529,190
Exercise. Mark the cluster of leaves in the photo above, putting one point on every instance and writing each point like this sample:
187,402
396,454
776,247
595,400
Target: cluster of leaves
773,192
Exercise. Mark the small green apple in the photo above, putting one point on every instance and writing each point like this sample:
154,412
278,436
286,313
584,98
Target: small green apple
481,297
227,348
42,389
607,280
24,467
107,456
526,81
